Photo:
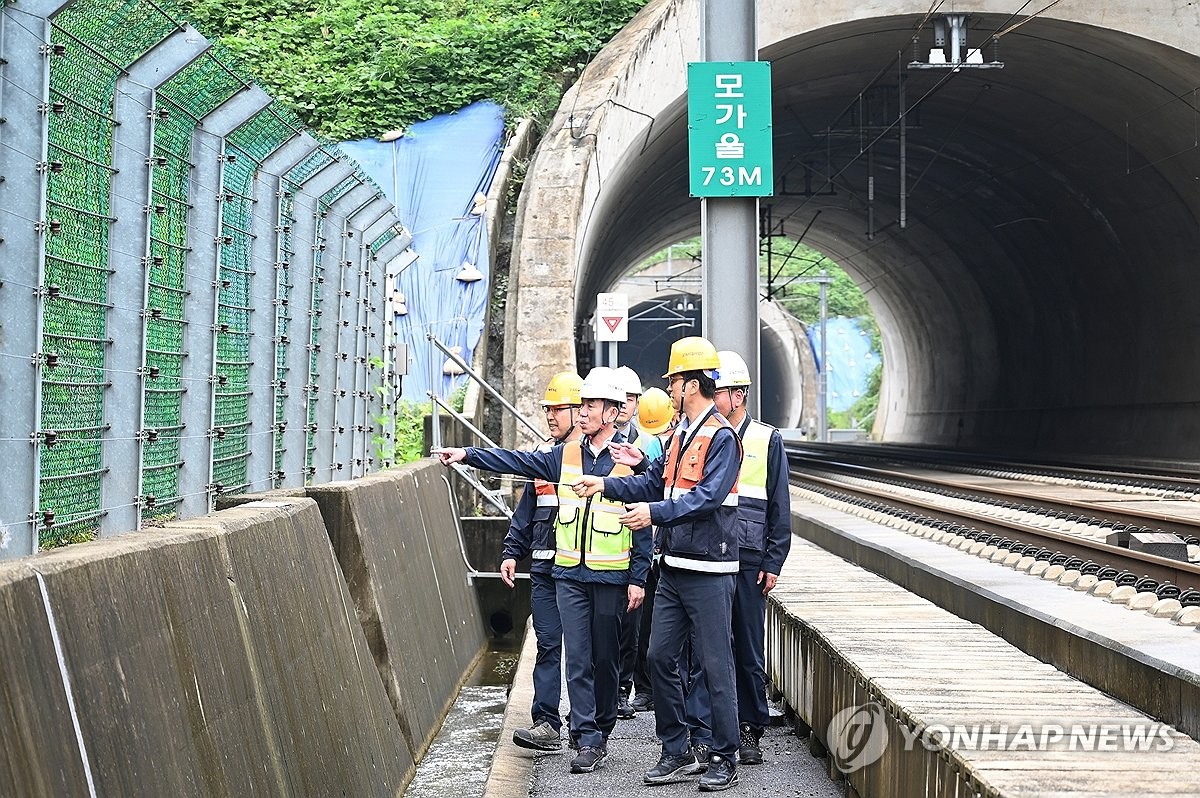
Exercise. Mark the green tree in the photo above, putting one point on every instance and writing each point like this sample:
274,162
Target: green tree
352,68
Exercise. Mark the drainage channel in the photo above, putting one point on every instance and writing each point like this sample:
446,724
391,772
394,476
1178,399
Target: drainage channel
457,762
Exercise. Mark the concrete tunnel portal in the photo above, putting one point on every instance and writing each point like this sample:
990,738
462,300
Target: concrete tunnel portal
1038,295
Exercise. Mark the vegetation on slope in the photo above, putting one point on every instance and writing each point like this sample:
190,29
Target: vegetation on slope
353,68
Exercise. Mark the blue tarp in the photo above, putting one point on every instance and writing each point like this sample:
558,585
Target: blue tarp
432,175
850,360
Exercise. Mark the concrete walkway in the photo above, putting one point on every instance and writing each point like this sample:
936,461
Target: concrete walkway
788,769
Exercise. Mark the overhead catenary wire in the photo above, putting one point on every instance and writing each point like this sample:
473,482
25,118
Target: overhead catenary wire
1032,16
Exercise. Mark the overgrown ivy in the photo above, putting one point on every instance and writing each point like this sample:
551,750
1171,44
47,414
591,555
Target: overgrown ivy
352,68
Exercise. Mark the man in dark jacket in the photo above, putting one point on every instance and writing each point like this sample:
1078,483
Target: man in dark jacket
692,499
600,565
531,534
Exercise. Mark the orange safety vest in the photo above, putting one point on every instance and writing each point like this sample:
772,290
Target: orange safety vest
680,477
547,496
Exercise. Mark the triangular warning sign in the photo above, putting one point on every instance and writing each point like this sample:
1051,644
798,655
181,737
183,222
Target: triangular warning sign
612,322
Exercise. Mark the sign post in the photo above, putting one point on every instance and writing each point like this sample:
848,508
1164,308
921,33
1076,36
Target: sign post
612,323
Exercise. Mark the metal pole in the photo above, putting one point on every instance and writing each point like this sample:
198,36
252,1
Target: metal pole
460,418
729,225
822,378
903,155
462,471
483,384
435,426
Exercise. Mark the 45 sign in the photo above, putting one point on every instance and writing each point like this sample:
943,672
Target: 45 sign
729,129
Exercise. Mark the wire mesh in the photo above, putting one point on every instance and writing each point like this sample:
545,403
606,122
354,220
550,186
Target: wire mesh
189,96
245,149
92,42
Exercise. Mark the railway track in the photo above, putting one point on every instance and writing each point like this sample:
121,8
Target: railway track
1050,522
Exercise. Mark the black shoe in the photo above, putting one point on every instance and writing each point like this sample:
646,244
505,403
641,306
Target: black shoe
589,759
721,775
642,703
750,753
672,768
624,708
702,751
539,737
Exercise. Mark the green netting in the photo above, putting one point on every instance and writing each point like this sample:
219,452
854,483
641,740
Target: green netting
335,193
92,42
187,97
245,149
319,159
383,240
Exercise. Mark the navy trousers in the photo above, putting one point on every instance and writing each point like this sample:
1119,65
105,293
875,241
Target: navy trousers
749,649
591,616
547,668
697,703
690,602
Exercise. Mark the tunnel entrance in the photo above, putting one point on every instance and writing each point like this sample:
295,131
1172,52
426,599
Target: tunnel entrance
1025,236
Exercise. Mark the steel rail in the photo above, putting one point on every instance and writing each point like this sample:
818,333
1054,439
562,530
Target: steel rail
1182,574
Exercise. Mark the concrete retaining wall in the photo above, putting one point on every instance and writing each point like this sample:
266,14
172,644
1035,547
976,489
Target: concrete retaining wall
217,656
395,537
241,653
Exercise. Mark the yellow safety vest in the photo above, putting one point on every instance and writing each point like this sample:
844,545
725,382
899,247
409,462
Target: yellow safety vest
587,530
752,481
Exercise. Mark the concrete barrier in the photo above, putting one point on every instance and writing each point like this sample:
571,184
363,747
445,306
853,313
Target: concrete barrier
396,540
216,656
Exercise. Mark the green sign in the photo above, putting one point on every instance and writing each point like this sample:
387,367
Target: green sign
729,129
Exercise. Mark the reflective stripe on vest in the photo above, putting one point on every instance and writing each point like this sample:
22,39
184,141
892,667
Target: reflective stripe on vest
587,530
707,566
680,480
752,480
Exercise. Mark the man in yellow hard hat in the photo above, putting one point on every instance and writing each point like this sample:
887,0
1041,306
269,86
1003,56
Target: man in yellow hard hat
600,565
765,538
692,498
531,534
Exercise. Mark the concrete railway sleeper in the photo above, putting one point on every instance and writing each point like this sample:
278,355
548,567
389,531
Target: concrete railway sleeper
1111,582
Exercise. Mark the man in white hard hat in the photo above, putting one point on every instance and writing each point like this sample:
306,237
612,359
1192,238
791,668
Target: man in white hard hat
531,534
600,566
765,538
631,383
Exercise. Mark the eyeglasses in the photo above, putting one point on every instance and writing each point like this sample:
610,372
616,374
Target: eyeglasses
552,409
673,379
